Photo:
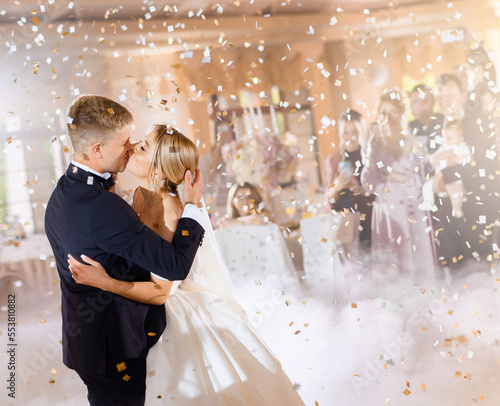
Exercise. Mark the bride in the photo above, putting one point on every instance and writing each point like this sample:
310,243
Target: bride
209,354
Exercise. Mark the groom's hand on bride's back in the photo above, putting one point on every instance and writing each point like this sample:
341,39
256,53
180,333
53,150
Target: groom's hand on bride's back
193,190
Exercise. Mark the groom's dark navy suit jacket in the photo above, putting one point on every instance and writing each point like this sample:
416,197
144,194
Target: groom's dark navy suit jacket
101,329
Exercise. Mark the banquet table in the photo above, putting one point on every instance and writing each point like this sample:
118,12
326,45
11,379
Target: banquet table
29,260
257,255
322,260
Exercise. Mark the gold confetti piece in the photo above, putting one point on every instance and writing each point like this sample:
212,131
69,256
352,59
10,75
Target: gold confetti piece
447,342
176,66
9,140
407,392
462,339
52,381
354,305
44,321
324,240
121,366
126,378
291,324
163,102
464,286
36,20
151,334
458,374
288,303
160,397
53,371
450,312
185,233
306,324
297,332
423,387
36,67
152,373
316,403
481,398
110,111
66,149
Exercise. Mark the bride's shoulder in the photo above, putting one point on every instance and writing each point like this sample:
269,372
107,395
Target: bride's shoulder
172,205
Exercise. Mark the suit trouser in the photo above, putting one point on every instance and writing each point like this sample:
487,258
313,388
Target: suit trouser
124,388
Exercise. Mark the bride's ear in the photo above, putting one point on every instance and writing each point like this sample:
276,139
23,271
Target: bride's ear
157,178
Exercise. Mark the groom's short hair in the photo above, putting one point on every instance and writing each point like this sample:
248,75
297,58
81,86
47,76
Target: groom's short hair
93,118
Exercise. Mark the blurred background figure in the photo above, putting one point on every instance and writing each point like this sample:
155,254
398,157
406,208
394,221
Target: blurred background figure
343,190
245,204
215,177
453,151
400,232
480,205
254,249
426,124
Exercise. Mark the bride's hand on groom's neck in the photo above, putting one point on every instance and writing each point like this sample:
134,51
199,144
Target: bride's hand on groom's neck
193,190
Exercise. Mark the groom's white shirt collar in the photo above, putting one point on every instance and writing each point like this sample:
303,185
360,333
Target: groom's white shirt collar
105,175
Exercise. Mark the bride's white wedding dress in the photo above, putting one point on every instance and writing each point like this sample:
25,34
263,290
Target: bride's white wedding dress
209,354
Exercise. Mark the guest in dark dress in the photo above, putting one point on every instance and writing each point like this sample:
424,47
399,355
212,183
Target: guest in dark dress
343,190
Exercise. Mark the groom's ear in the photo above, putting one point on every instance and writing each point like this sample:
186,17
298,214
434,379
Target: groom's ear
96,150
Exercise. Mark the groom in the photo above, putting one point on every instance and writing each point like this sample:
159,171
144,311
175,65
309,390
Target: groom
106,337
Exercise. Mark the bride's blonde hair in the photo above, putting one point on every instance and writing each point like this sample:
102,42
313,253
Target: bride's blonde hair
172,155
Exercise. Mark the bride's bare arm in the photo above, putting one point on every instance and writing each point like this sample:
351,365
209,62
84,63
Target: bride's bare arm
154,292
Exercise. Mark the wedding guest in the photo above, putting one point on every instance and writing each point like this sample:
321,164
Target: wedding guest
454,151
245,204
480,208
401,234
427,124
212,163
343,190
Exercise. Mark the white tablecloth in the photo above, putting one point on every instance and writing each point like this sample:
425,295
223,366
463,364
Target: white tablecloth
318,245
258,255
322,262
30,260
34,246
